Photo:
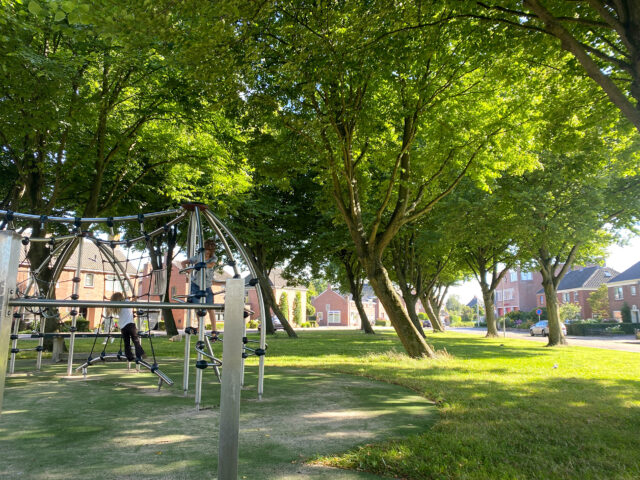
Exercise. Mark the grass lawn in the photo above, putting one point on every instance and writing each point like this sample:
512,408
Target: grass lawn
507,409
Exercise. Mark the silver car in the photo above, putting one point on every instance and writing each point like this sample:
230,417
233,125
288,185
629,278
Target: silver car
542,328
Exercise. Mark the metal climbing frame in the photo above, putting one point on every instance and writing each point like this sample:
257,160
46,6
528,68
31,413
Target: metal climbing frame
64,246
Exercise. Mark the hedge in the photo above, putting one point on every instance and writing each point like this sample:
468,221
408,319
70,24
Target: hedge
586,329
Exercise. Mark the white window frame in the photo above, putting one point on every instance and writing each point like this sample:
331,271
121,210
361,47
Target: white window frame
634,290
576,296
513,276
88,276
526,276
566,297
331,315
319,316
619,293
541,299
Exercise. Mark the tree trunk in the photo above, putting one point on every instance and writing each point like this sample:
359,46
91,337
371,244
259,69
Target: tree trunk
167,315
556,336
410,302
434,318
270,298
365,325
356,291
489,311
413,342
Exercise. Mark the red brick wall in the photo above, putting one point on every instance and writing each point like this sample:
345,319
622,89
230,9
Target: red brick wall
331,301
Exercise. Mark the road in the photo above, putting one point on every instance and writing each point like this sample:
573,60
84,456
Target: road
626,343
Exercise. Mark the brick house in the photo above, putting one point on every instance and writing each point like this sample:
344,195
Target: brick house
335,309
578,285
625,288
152,287
279,286
98,280
517,291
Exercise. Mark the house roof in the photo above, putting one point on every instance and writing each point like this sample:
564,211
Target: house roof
631,273
93,259
473,302
588,277
277,280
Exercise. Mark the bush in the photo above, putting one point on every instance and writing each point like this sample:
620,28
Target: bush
625,312
462,323
455,319
590,328
82,324
381,322
253,323
305,325
161,325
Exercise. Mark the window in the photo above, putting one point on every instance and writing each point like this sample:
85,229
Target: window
508,294
173,292
566,297
513,276
618,293
498,296
113,284
541,299
526,276
88,279
633,289
319,316
333,316
576,296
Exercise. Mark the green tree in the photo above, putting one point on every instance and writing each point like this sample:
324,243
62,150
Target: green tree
601,35
625,312
392,113
297,309
599,302
569,311
284,305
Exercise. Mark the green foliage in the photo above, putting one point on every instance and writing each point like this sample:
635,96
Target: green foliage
253,323
599,302
297,309
284,304
625,312
592,328
381,322
569,311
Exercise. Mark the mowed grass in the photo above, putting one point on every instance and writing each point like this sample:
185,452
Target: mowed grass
508,408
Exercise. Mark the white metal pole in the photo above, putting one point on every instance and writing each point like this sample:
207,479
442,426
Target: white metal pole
9,260
74,313
187,319
231,380
201,281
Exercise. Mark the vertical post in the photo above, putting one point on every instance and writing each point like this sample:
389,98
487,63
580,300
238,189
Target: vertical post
187,319
201,281
9,261
231,380
74,312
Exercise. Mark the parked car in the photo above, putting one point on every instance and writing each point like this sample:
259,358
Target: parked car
426,324
542,328
277,325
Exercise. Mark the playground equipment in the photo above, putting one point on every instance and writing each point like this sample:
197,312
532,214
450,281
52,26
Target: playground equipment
61,249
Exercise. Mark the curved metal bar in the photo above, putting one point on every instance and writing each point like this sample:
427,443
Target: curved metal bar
263,331
61,263
119,358
27,216
48,239
152,234
213,225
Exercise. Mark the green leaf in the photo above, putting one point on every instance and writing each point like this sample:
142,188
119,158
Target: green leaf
35,8
68,6
60,15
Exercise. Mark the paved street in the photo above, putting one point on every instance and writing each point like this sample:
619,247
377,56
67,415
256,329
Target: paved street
627,343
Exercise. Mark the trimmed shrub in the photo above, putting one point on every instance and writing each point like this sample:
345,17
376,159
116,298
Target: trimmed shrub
589,328
625,312
381,322
82,324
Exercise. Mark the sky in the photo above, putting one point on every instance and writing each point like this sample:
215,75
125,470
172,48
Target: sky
619,258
